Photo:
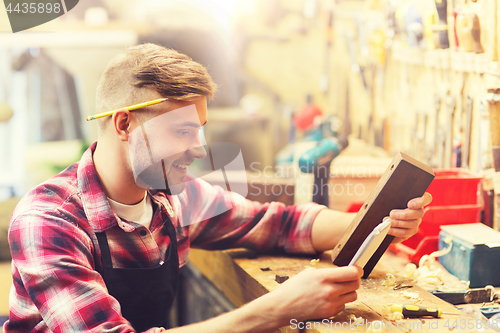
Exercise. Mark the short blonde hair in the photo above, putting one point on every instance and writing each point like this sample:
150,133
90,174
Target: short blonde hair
130,76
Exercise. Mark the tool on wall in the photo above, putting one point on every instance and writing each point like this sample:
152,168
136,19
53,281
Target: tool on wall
442,28
493,99
482,134
325,79
468,31
476,34
468,130
437,151
355,66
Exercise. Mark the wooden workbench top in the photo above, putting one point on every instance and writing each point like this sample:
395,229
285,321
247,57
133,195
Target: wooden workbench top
239,275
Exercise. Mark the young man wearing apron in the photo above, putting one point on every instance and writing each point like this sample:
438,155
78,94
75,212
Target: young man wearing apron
98,247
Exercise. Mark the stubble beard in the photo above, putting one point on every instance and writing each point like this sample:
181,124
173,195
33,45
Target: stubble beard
156,177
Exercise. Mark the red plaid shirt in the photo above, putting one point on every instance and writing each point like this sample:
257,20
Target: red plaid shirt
56,258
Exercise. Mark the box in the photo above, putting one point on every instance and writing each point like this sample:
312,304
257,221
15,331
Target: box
474,255
454,187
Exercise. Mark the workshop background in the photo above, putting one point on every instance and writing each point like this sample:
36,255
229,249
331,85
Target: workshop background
414,76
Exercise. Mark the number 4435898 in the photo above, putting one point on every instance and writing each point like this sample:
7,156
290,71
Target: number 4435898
33,8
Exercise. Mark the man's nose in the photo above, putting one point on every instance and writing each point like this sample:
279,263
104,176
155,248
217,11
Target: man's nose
198,152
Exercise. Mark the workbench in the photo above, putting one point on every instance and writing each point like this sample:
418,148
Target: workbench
242,276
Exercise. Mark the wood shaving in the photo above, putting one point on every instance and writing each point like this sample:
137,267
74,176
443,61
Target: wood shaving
315,262
390,280
355,319
410,270
412,295
395,316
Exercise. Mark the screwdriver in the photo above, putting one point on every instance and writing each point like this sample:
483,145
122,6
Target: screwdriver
415,311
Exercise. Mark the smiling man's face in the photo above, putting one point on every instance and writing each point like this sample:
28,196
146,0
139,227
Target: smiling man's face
162,147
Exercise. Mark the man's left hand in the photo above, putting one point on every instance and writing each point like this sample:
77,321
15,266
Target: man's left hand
404,223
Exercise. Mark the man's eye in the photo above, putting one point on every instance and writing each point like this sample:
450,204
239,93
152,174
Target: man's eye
184,133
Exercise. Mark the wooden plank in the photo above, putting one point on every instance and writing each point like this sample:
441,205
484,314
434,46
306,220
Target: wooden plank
404,179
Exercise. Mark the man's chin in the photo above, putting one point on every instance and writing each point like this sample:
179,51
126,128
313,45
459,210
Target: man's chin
153,178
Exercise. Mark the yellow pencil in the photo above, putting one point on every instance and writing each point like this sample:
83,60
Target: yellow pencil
130,108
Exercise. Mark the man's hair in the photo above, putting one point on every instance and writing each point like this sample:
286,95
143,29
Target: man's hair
130,76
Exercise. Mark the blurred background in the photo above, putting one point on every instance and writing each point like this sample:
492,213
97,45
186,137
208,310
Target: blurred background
412,76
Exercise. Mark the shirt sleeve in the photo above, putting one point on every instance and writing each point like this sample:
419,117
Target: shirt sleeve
248,224
54,277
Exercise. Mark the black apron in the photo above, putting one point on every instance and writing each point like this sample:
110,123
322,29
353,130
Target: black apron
145,294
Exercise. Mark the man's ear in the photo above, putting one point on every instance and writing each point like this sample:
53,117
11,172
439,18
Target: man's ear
121,120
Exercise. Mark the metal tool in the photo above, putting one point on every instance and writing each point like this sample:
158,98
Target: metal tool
490,311
436,162
482,134
475,295
448,150
415,311
355,66
468,130
493,99
401,285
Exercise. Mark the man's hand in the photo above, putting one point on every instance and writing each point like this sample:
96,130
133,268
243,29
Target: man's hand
311,294
315,293
404,223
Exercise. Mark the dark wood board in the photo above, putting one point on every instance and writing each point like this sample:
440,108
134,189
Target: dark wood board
405,179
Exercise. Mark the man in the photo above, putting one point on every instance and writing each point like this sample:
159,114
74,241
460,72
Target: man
94,251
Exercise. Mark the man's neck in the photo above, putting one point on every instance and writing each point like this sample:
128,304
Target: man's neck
117,181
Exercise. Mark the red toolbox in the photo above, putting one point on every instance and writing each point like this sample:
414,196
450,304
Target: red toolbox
454,187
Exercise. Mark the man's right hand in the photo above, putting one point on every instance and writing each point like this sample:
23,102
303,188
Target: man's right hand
315,293
311,294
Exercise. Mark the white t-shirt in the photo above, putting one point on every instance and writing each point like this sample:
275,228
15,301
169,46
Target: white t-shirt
141,212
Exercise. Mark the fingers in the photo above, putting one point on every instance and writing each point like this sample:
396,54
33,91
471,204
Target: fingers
415,208
343,274
405,224
348,298
407,214
338,305
402,233
420,202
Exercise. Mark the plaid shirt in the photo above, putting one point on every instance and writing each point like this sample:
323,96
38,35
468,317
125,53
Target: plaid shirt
56,258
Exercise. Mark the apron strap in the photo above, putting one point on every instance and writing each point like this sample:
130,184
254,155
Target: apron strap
105,252
169,228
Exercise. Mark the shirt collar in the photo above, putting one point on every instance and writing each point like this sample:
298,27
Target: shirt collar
94,200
